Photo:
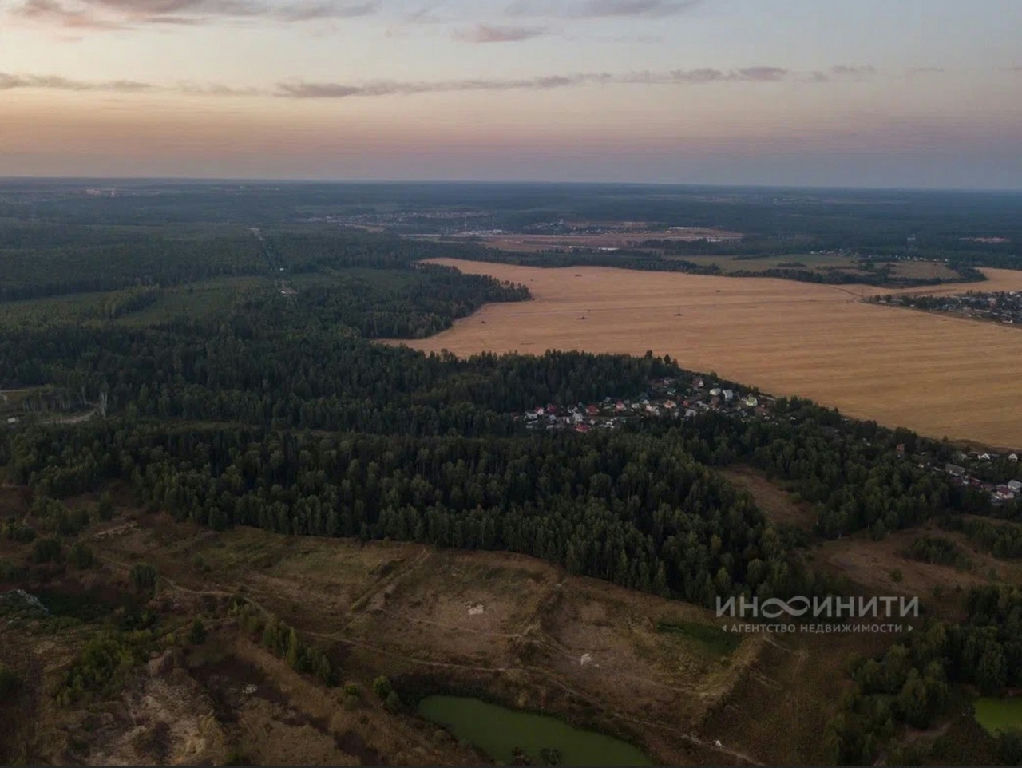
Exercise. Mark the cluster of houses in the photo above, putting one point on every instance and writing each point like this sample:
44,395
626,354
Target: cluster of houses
666,398
996,306
669,398
999,492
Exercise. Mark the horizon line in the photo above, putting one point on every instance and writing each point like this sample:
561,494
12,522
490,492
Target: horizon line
261,180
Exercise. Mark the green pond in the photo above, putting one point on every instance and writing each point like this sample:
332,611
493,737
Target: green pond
998,715
497,731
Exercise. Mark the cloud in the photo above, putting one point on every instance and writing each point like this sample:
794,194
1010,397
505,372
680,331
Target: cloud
484,33
310,11
657,8
853,70
306,90
120,14
300,89
591,9
10,82
52,12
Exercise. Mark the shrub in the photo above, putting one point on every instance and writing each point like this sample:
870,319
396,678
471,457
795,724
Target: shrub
197,633
143,578
393,702
382,687
105,507
9,683
81,556
47,551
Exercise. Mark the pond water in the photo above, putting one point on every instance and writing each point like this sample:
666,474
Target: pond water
999,715
499,731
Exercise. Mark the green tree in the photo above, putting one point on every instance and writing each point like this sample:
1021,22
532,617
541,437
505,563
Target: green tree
143,578
197,632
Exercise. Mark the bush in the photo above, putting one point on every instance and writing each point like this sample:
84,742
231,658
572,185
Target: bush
105,507
81,556
47,551
382,687
16,531
143,578
102,665
393,702
197,633
9,683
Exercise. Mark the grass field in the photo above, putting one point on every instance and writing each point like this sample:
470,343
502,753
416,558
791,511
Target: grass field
941,376
999,715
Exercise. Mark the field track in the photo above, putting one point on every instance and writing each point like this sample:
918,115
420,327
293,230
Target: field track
939,375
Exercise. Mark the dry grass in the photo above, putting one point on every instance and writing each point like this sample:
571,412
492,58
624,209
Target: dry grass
510,627
872,565
939,375
778,505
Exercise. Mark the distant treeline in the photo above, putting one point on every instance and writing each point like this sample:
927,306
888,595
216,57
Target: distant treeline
878,273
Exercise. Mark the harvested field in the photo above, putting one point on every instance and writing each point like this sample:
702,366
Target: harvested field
939,375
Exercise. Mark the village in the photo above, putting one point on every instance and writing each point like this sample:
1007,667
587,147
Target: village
994,306
669,398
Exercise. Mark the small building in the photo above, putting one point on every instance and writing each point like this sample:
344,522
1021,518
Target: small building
729,395
1015,486
954,470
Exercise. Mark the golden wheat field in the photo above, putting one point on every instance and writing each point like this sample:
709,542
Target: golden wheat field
939,375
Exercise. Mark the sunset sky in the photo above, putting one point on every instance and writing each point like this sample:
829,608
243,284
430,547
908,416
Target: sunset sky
923,93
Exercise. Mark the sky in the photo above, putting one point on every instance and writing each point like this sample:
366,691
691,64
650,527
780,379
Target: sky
904,93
